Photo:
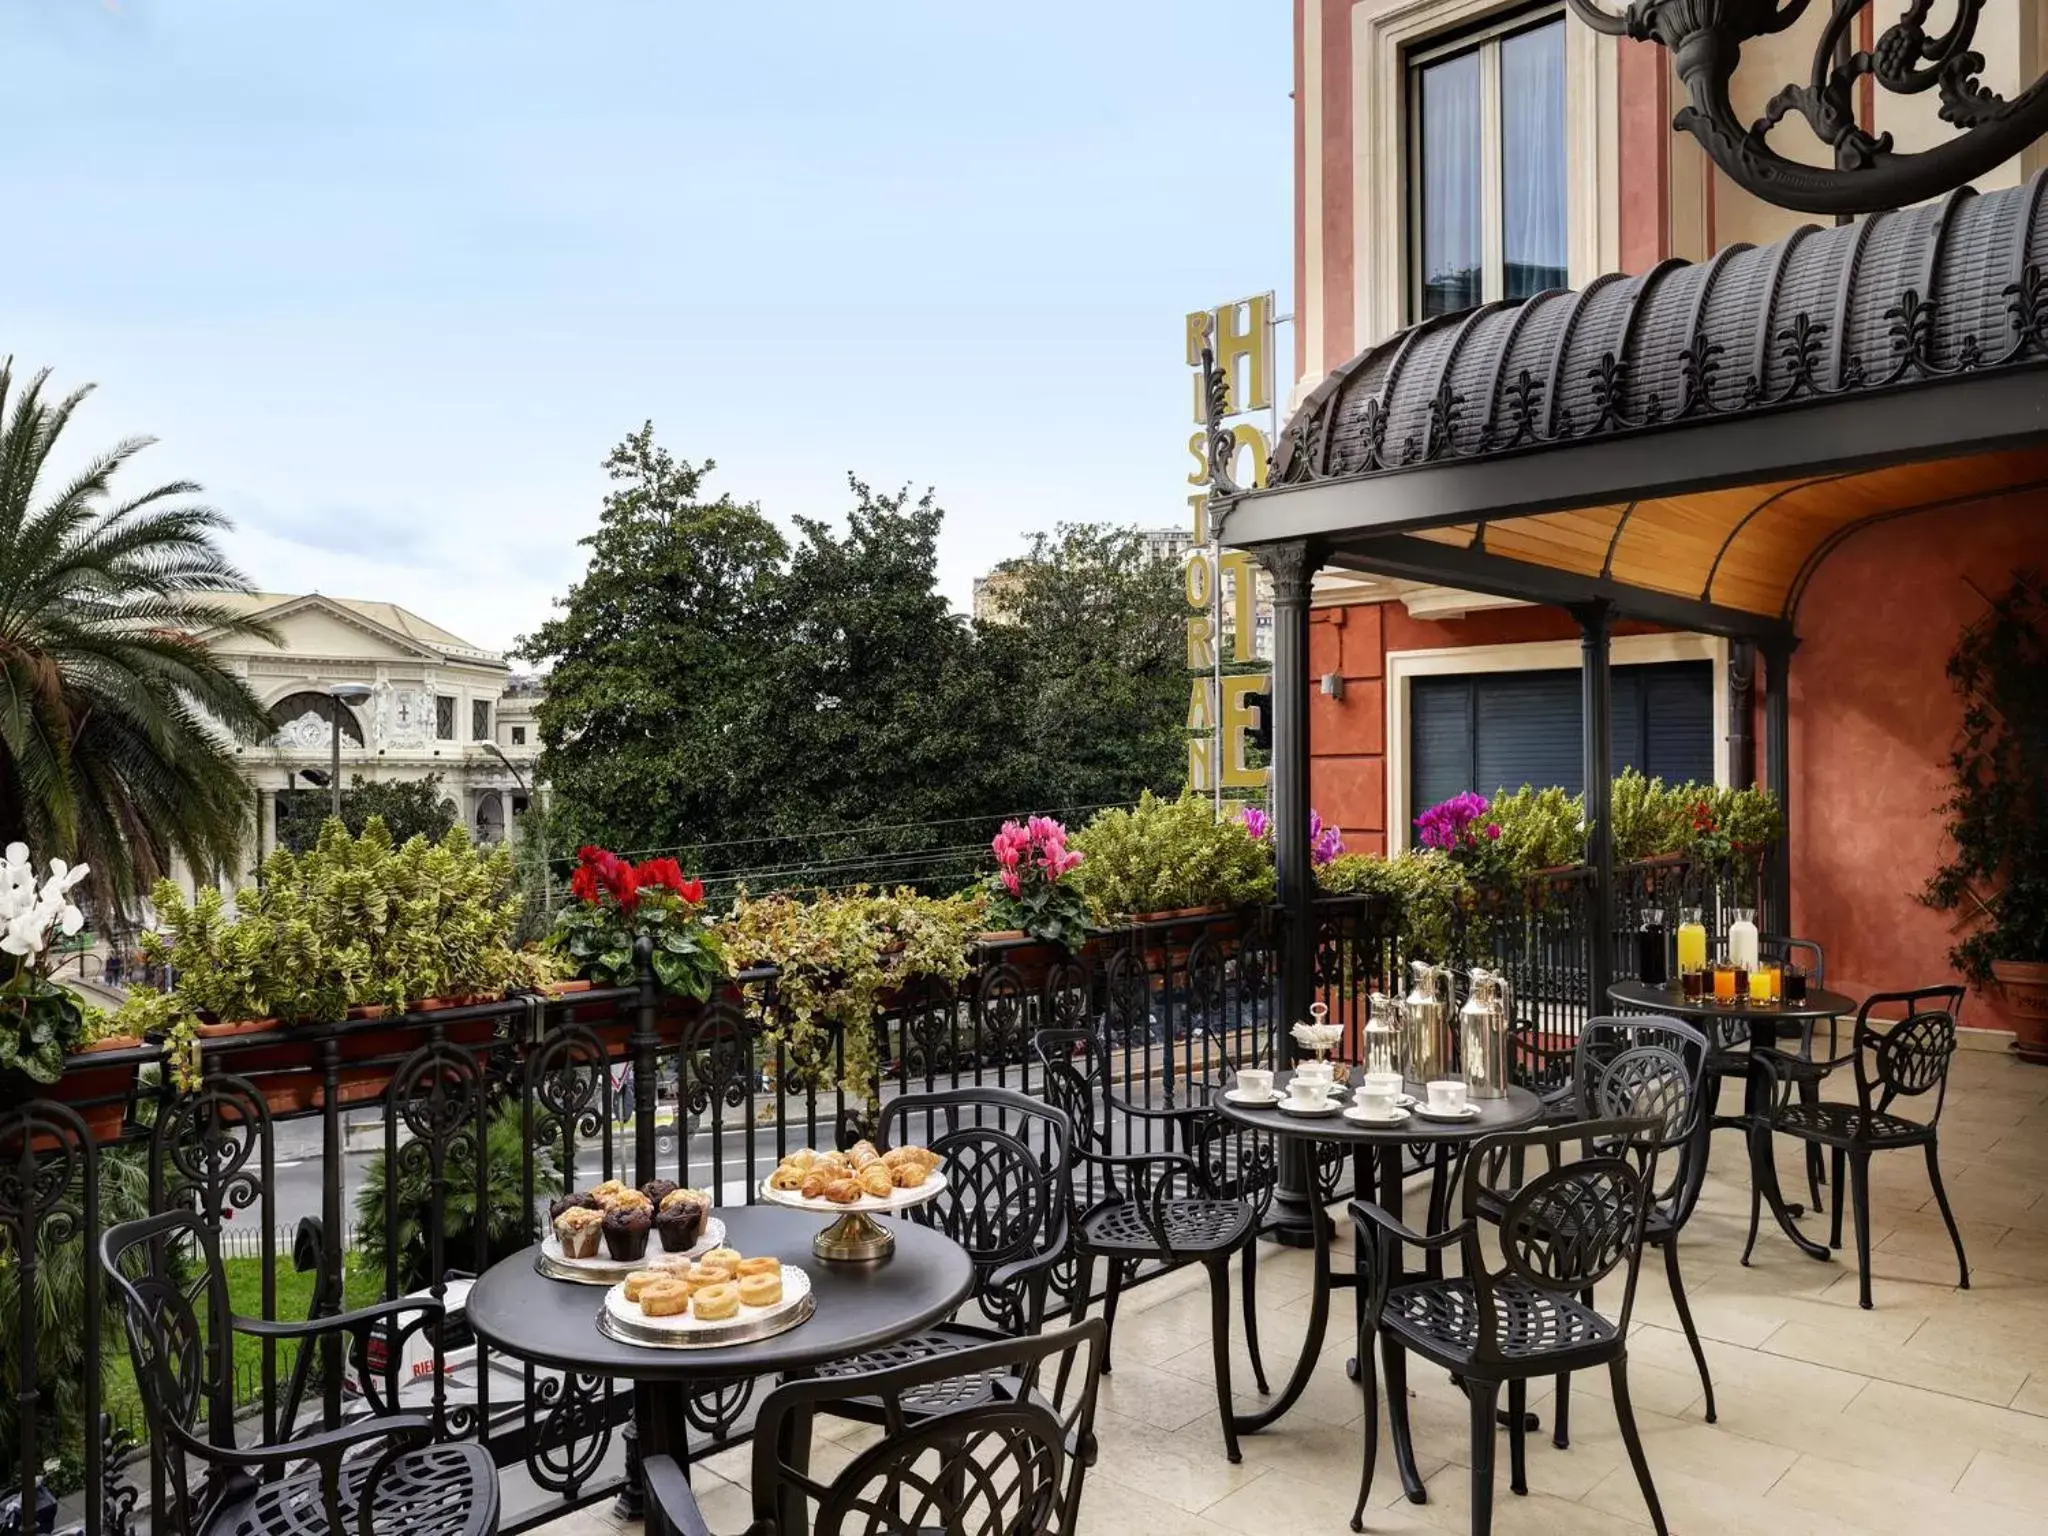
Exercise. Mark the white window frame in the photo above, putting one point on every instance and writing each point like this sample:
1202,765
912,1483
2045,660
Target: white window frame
1403,667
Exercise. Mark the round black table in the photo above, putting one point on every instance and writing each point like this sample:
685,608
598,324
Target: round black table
1385,1143
1762,1021
515,1308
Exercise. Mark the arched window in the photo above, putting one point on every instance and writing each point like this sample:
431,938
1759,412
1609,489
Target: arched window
306,721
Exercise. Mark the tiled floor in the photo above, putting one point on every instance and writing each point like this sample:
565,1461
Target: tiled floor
1928,1414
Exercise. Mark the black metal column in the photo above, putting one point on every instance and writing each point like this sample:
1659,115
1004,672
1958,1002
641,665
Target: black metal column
1292,567
1741,712
1596,710
1778,780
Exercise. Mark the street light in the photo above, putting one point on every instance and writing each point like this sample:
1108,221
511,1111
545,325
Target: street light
547,893
341,693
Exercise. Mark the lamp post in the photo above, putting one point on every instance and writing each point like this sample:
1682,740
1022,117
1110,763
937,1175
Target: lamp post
547,892
340,694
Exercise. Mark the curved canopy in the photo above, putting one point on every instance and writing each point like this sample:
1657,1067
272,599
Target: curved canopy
1689,443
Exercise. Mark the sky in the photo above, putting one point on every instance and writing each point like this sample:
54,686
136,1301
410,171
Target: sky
388,278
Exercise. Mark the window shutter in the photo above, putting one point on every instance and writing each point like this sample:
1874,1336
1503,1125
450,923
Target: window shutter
1440,737
1528,731
1678,722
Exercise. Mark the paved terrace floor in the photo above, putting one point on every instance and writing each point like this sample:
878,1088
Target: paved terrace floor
1929,1413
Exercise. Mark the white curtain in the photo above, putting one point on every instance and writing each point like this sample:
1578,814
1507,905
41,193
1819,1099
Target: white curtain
1451,244
1533,160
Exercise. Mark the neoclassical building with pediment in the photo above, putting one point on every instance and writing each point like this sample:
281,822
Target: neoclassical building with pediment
437,704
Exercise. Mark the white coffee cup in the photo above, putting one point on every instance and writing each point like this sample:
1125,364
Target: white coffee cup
1318,1070
1308,1092
1255,1082
1447,1095
1376,1098
1387,1082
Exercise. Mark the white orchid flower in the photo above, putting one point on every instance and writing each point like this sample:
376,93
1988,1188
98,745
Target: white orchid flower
17,854
71,921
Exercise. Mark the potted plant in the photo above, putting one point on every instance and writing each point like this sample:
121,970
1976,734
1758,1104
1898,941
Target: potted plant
1172,859
615,903
1031,898
1997,809
352,930
42,1022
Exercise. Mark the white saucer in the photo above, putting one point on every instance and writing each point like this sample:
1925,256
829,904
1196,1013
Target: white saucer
1356,1115
1328,1107
1469,1112
1252,1101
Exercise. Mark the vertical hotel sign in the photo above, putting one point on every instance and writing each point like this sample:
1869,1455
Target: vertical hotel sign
1222,585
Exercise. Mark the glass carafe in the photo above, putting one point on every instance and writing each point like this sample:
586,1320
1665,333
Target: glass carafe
1650,963
1692,941
1742,943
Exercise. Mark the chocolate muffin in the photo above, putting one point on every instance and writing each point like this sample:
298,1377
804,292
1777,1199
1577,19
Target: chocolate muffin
625,1232
680,1221
572,1202
658,1190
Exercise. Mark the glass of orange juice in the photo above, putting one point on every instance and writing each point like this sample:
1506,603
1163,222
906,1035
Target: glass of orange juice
1724,980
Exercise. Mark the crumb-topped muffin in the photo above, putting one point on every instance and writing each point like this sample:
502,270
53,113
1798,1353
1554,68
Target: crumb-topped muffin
625,1231
680,1219
577,1230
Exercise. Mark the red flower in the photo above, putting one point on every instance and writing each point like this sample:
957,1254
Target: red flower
691,891
583,884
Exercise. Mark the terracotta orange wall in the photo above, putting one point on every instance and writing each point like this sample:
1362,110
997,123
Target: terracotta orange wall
1872,722
1347,736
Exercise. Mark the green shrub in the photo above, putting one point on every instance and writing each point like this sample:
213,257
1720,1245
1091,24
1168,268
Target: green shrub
1425,889
1540,828
1166,855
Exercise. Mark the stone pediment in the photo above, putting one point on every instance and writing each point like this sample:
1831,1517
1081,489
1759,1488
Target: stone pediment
314,627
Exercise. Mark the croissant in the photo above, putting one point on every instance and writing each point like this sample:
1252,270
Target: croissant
786,1177
909,1175
861,1153
801,1160
896,1157
875,1180
817,1181
842,1191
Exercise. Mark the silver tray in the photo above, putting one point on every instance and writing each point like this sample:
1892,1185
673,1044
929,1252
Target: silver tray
606,1270
763,1323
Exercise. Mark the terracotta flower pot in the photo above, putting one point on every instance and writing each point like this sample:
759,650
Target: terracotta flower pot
100,1094
283,1069
2023,998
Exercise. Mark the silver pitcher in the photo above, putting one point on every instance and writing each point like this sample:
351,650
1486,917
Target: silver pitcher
1484,1035
1426,1029
1381,1033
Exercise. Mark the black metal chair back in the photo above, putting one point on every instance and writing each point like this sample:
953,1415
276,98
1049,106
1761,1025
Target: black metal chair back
1076,1082
1009,1158
1005,1464
1652,1068
1560,1234
1911,1057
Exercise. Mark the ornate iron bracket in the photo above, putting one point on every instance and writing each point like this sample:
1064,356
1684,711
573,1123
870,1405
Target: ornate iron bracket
1705,38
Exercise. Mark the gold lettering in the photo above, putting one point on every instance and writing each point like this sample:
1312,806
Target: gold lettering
1200,779
1244,333
1201,644
1198,450
1199,323
1237,722
1242,594
1195,579
1198,509
1249,436
1202,704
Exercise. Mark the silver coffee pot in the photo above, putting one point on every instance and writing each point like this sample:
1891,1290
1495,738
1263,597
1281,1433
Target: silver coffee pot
1381,1032
1426,1028
1484,1029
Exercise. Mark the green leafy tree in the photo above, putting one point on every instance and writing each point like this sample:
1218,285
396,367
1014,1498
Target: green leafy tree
1094,634
111,705
653,654
409,808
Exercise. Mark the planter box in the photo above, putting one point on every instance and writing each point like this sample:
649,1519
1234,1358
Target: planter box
2022,996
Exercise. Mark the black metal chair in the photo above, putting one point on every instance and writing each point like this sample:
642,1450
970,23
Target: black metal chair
1010,1461
1904,1061
387,1473
1169,1207
1649,1067
1009,1158
1521,1315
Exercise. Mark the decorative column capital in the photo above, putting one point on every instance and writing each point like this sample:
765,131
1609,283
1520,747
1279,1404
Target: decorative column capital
1292,566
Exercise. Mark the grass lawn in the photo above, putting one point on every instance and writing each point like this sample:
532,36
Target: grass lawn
294,1298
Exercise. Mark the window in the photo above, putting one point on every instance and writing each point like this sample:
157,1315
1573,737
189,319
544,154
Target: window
1501,730
479,720
518,735
444,717
1486,157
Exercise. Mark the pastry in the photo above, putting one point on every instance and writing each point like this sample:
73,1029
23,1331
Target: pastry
665,1298
577,1230
861,1153
605,1191
672,1263
639,1280
570,1203
842,1191
761,1290
787,1176
680,1221
715,1302
800,1160
876,1180
909,1175
629,1200
896,1157
625,1231
658,1190
729,1257
763,1265
710,1274
832,1160
817,1181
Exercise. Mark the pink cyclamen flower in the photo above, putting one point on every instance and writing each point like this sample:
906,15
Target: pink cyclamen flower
1255,821
1493,830
1010,881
